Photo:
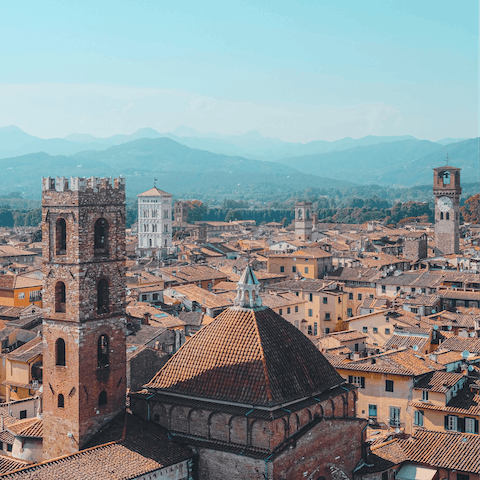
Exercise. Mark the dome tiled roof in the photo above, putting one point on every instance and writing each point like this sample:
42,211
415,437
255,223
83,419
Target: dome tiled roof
247,355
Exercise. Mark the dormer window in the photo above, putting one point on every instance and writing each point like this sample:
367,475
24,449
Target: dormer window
425,395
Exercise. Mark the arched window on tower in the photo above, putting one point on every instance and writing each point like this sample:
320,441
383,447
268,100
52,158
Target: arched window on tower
102,351
61,237
446,178
101,236
441,215
61,401
60,298
448,216
103,296
60,352
102,398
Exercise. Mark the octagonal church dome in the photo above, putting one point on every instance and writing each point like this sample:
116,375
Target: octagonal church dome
248,355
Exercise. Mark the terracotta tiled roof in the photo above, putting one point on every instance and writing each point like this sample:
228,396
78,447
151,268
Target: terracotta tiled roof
459,344
399,341
438,381
154,192
145,448
465,402
29,427
347,335
28,351
9,464
451,450
395,362
247,356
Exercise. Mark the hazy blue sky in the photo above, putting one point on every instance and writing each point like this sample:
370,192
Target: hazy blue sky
299,71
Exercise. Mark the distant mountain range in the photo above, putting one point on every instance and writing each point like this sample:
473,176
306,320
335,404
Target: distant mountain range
401,163
189,170
15,142
179,169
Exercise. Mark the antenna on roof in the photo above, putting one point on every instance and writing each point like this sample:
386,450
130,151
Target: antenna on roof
447,159
154,183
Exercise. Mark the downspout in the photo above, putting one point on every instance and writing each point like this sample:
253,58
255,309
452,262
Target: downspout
266,466
148,406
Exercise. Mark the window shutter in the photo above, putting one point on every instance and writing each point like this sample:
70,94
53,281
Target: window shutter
460,424
476,426
446,422
350,379
362,382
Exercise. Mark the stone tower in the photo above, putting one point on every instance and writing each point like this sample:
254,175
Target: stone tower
84,382
447,191
303,221
154,222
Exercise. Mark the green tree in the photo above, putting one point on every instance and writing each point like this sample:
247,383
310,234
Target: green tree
6,218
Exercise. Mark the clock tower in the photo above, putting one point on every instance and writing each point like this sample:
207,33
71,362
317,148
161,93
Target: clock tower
447,191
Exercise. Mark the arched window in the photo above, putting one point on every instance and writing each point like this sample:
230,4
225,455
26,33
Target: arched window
61,237
102,398
60,297
448,216
60,352
101,234
61,401
150,242
102,351
103,300
441,215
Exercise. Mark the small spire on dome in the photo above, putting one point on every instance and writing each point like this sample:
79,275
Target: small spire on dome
248,290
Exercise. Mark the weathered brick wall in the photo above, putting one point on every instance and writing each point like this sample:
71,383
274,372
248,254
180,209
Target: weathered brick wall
80,267
143,367
332,449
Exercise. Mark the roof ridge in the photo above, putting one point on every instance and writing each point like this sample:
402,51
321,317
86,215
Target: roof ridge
264,361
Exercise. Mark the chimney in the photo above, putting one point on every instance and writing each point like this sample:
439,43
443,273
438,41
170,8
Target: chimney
146,318
157,345
433,357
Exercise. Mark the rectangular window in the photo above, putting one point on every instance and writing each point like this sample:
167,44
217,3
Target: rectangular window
451,422
462,476
471,425
327,331
413,289
294,269
315,328
359,296
339,299
375,330
389,385
280,312
310,297
325,300
282,269
288,310
387,331
360,381
296,309
309,329
144,298
424,290
398,289
327,317
21,295
349,312
23,414
365,329
425,395
384,288
310,312
350,296
155,296
9,447
394,419
418,418
372,411
306,269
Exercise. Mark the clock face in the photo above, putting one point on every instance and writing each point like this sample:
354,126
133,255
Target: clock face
444,204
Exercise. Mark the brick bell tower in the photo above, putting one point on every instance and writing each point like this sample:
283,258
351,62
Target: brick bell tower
84,379
447,191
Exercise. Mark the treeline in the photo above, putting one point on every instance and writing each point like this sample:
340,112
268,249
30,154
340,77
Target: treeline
20,218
